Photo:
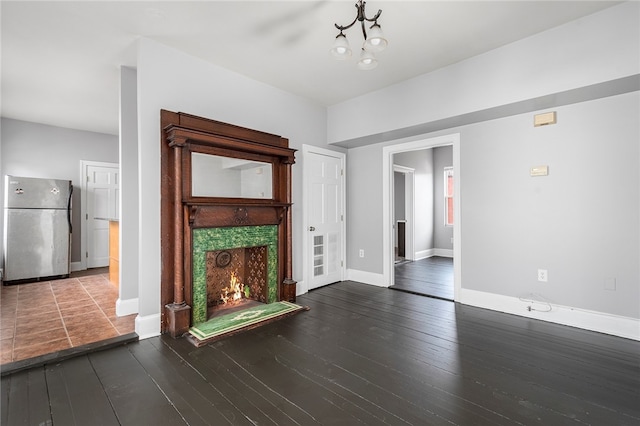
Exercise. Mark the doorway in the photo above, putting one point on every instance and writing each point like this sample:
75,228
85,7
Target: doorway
100,196
429,269
420,253
323,200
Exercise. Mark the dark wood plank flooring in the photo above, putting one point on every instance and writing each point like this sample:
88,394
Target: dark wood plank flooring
362,355
432,276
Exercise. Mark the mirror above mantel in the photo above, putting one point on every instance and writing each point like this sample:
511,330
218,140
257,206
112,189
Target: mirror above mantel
225,177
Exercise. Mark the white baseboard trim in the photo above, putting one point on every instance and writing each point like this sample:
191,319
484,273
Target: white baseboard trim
423,254
148,326
366,277
601,322
126,307
76,266
301,288
443,252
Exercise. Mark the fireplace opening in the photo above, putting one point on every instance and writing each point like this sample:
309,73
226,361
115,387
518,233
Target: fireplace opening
236,279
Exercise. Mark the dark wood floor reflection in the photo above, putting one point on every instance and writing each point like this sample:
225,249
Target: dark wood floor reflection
362,355
49,316
432,276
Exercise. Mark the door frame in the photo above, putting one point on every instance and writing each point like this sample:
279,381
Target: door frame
387,214
308,150
84,165
409,208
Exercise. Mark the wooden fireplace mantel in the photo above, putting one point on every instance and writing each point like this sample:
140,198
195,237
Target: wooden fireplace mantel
181,211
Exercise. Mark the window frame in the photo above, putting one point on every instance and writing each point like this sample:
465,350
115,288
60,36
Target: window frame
448,197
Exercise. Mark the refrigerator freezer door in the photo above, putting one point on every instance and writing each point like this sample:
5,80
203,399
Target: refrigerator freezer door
37,243
35,193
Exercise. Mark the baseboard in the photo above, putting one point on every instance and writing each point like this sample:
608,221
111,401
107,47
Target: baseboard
366,278
126,307
423,254
76,266
601,322
148,326
443,252
301,288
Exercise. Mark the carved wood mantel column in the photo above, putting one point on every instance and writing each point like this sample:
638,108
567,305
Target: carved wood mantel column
178,312
289,285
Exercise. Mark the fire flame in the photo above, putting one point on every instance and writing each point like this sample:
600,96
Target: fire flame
233,292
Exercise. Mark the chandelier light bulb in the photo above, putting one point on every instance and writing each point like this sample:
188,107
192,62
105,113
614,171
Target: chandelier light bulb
375,41
341,49
367,60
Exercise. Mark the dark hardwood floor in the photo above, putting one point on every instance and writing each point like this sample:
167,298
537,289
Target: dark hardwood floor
432,277
362,355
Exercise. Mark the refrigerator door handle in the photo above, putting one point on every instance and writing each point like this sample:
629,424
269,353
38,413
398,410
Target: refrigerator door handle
69,209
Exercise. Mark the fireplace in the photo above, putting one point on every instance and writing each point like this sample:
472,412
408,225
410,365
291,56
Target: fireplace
225,219
232,268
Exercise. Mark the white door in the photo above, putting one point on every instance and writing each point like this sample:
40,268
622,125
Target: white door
325,216
102,195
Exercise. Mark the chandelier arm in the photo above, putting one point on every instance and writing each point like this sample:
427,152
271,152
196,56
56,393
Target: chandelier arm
364,30
375,18
346,27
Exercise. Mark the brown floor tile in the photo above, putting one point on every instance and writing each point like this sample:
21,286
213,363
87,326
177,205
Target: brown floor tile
109,311
37,338
72,309
58,287
7,333
80,323
93,336
6,350
38,323
30,315
8,319
73,297
36,303
108,298
35,310
125,325
8,299
40,349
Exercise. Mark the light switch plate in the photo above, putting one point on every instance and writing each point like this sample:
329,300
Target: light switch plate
539,171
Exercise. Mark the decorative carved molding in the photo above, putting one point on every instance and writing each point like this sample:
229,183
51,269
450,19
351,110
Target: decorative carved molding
241,216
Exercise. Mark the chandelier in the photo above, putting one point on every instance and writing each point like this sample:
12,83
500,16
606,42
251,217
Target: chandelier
373,43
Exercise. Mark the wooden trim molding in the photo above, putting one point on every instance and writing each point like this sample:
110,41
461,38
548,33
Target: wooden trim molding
182,212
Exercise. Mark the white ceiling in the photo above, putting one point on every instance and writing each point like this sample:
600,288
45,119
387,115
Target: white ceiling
60,60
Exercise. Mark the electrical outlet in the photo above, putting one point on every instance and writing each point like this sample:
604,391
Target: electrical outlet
361,253
542,275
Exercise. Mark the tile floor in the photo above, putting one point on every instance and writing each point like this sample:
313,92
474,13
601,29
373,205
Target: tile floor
48,316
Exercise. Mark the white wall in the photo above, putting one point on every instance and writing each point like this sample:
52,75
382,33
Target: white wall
597,48
38,150
169,79
581,223
128,299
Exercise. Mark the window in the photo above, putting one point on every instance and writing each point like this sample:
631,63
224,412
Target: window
448,196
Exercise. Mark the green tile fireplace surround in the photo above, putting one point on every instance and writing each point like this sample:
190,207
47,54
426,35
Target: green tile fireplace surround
210,239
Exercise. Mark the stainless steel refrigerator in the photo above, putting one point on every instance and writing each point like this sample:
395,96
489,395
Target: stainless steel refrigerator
37,228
